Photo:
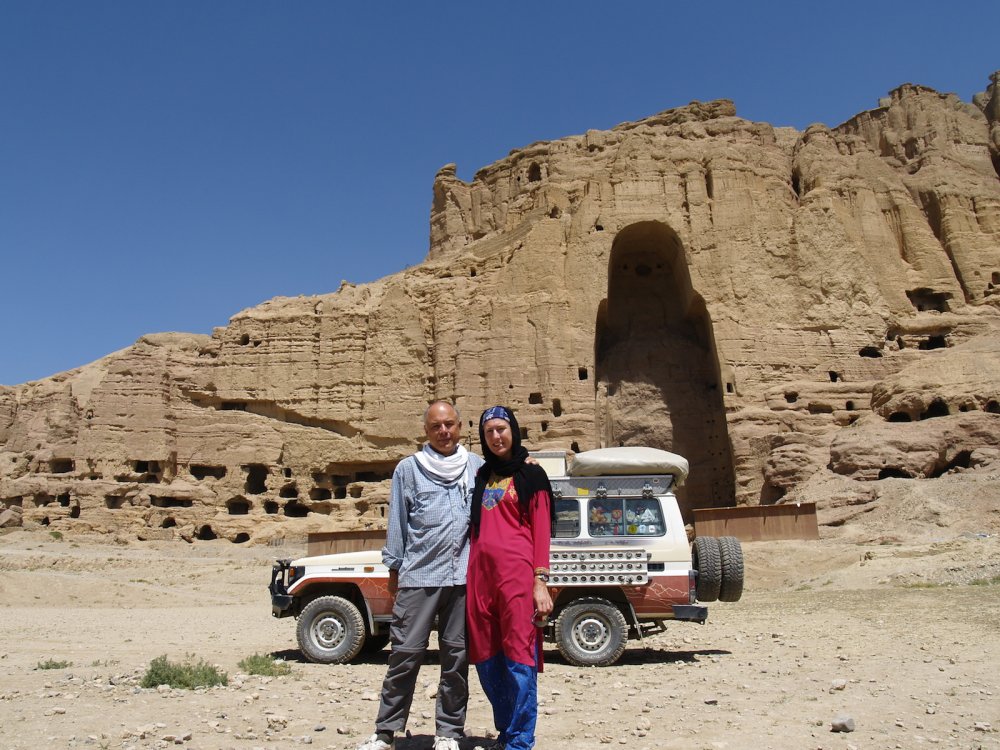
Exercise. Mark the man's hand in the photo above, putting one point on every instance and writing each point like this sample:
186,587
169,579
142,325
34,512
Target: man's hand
393,581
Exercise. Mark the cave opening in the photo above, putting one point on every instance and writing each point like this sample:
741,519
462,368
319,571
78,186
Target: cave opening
657,372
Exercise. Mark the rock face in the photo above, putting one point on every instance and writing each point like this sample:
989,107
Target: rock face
774,305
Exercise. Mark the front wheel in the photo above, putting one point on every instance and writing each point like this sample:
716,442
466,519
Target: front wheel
330,630
591,633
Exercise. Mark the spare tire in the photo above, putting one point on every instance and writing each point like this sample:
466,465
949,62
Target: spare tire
732,569
706,558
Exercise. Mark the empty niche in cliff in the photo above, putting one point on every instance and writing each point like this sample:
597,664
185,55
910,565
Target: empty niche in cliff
581,373
556,407
962,460
555,213
791,397
545,426
355,491
320,493
63,499
295,509
937,408
244,339
770,494
205,533
169,502
834,376
74,512
168,523
203,471
472,273
234,406
992,406
339,493
535,398
42,499
372,476
849,406
870,351
524,433
45,521
892,472
534,172
289,490
113,502
924,299
271,507
574,446
241,538
933,342
238,506
61,465
796,183
654,354
818,408
286,472
900,416
256,483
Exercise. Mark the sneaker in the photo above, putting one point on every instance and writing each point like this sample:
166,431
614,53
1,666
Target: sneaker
491,745
445,743
375,743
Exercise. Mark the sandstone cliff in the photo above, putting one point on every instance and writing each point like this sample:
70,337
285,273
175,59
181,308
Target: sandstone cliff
789,310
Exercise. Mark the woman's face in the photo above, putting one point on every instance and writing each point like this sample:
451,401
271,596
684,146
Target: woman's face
499,438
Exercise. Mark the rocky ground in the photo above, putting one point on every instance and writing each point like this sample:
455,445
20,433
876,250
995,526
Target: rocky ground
898,639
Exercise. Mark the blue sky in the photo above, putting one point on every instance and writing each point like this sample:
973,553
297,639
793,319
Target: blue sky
164,165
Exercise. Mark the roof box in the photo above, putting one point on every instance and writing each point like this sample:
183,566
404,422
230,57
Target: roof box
628,461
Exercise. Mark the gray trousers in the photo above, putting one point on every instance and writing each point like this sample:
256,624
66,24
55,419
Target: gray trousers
412,619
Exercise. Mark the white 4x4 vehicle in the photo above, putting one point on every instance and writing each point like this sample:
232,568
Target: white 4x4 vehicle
621,565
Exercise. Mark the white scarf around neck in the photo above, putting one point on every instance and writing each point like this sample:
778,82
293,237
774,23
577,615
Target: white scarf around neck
444,469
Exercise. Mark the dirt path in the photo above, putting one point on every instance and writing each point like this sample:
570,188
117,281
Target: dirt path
825,629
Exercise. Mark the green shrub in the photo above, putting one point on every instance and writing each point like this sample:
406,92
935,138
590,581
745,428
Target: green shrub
53,664
57,535
263,664
189,674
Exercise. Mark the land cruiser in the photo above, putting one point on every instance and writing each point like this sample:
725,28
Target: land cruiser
622,566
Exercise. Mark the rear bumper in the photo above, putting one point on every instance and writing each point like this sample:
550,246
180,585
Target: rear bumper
691,613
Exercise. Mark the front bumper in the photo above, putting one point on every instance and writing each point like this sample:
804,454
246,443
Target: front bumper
281,600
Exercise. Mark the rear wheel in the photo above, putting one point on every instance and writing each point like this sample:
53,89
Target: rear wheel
732,569
706,557
330,630
591,633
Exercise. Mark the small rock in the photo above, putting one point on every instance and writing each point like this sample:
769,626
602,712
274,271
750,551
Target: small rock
343,730
982,726
838,685
842,724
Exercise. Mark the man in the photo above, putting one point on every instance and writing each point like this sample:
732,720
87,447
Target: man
427,553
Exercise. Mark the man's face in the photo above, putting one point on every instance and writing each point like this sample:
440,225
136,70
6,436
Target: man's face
442,429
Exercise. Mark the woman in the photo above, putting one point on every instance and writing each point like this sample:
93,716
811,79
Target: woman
506,589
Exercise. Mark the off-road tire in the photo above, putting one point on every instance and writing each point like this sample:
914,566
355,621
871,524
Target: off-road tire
706,558
591,633
330,630
732,569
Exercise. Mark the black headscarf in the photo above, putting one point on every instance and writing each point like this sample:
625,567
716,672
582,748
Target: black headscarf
528,478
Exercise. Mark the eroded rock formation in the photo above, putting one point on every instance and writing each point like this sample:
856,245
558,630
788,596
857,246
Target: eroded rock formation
775,305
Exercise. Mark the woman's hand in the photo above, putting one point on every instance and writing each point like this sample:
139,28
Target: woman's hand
543,602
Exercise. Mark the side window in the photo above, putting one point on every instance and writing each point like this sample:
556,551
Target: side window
567,523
